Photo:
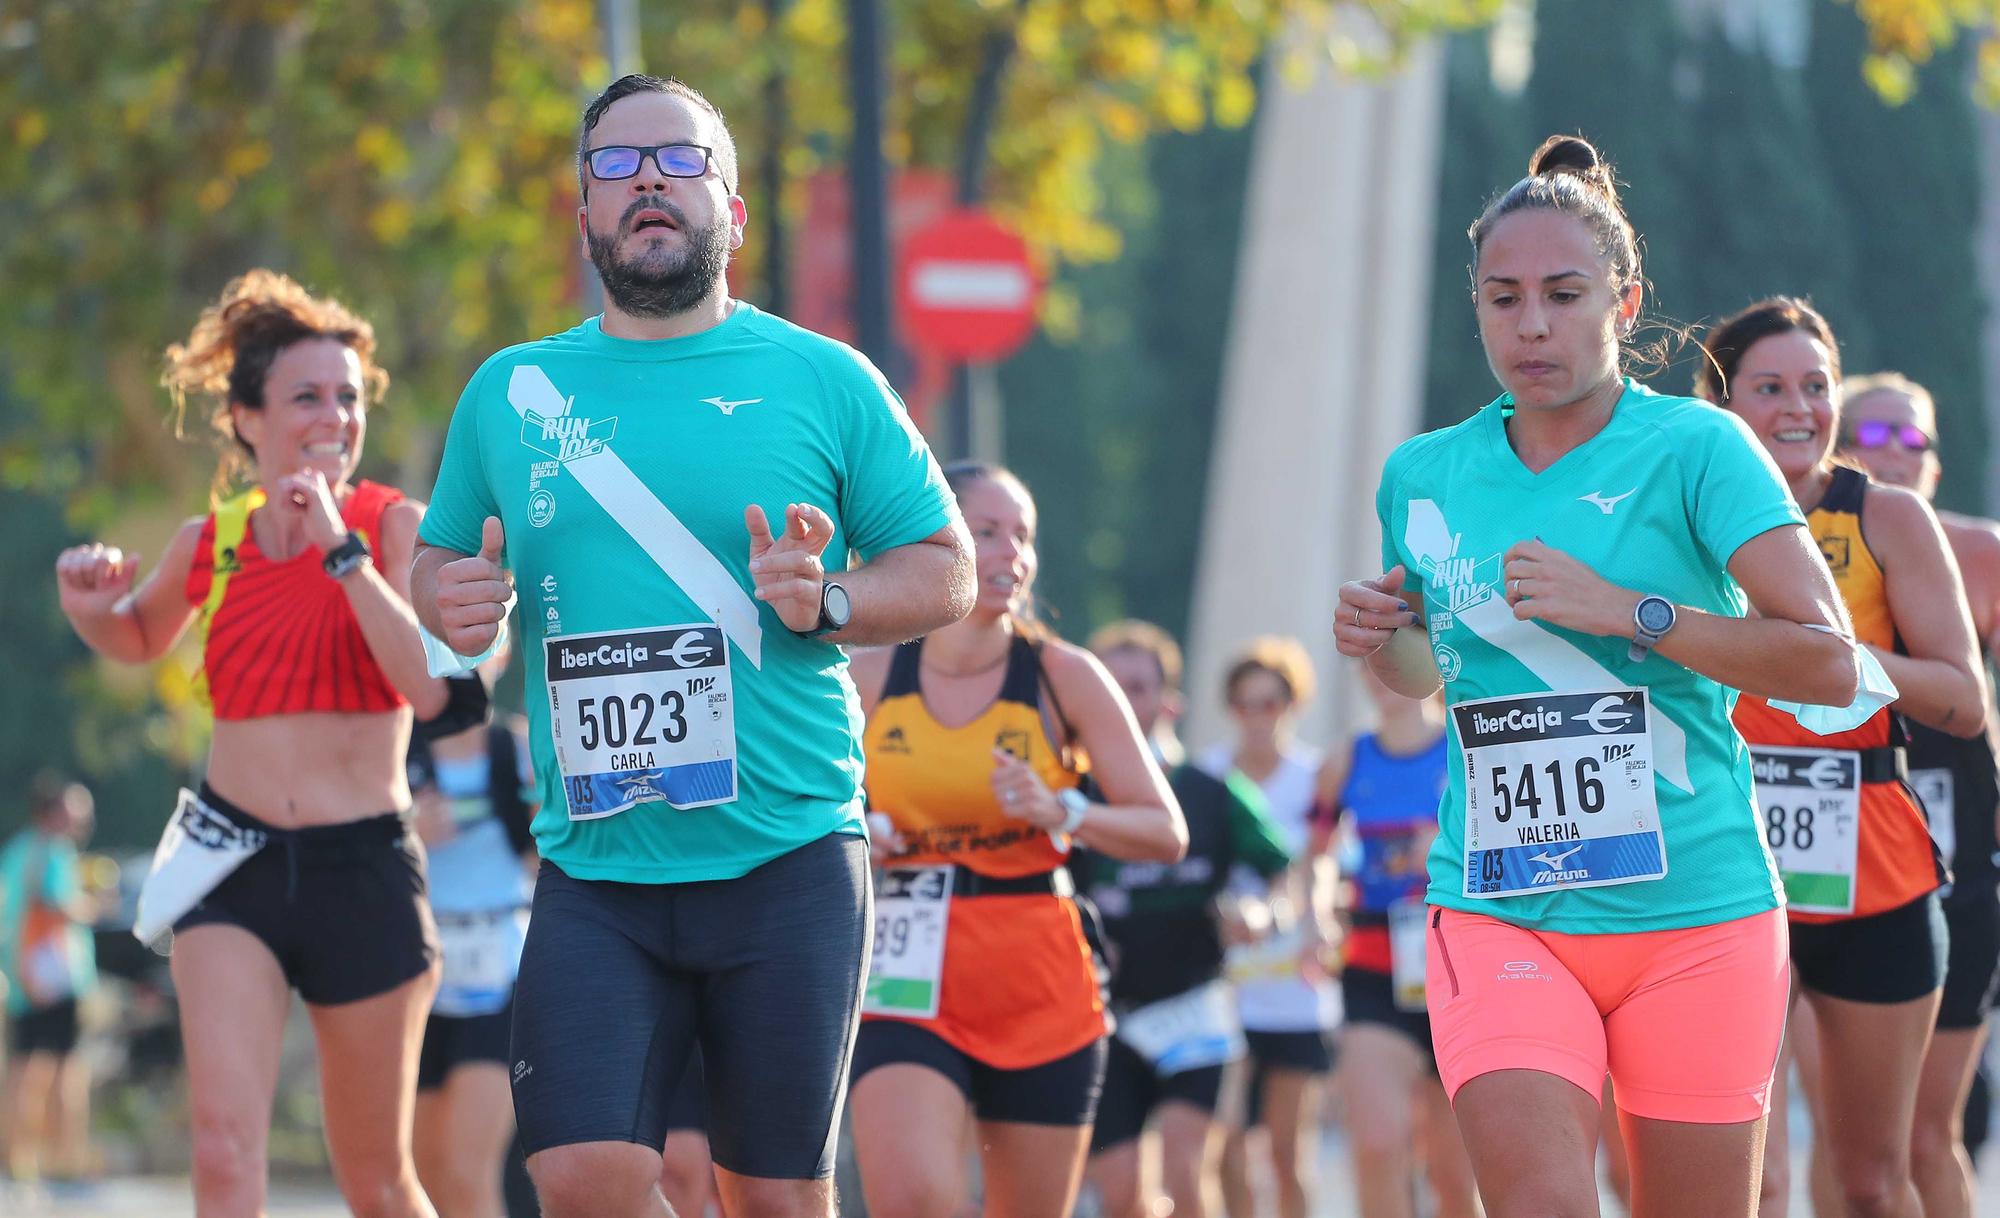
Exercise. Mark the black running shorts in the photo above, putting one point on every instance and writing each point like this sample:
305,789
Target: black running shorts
619,983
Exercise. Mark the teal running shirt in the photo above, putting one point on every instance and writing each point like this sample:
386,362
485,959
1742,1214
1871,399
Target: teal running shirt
679,730
1588,794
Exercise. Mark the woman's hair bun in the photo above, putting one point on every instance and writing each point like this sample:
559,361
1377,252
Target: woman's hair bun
1572,155
1565,154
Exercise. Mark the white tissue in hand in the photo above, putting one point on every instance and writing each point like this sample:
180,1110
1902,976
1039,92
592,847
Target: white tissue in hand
1876,691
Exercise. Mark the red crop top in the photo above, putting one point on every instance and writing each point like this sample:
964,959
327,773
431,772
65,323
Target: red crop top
282,638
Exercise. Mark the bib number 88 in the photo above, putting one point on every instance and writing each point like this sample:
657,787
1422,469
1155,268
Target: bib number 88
1801,827
608,721
1519,789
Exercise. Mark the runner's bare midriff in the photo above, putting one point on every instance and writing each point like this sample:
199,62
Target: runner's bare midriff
318,768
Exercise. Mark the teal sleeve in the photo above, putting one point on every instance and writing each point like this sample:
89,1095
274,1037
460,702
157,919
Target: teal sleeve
892,492
1734,490
462,499
1252,834
60,883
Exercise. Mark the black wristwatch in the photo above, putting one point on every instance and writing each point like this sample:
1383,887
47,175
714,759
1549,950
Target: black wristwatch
835,611
346,558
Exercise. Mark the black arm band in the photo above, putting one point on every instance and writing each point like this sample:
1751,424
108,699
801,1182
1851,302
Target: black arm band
466,705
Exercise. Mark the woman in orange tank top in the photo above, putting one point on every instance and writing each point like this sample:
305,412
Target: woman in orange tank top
1861,876
315,668
983,1000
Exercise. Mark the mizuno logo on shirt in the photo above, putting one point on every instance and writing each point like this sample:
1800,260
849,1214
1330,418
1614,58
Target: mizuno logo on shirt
1607,506
728,407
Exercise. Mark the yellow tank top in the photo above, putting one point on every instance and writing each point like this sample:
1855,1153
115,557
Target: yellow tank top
1836,525
1895,861
1019,985
935,781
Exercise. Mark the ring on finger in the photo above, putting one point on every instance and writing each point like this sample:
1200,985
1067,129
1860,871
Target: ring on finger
1357,615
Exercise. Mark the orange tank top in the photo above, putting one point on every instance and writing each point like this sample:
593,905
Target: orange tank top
1895,862
281,637
1019,986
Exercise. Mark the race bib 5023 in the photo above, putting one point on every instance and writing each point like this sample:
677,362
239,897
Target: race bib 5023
642,716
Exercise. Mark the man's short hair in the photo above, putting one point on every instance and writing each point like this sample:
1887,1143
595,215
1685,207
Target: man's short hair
639,82
1132,634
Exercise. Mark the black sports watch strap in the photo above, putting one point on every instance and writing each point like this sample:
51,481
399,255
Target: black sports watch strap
344,559
835,611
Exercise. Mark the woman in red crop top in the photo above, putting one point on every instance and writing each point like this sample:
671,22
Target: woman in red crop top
293,868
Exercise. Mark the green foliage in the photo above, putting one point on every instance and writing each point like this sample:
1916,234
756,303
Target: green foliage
410,157
54,714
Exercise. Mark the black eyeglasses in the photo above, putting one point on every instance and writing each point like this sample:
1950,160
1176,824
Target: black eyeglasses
617,162
1874,433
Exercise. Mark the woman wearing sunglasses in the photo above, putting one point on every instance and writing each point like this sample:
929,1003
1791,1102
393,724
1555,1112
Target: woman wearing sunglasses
1892,431
294,868
1861,877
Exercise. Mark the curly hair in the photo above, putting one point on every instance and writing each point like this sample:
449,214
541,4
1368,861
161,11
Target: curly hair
229,353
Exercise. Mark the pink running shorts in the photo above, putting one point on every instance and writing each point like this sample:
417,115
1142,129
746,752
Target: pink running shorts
1687,1022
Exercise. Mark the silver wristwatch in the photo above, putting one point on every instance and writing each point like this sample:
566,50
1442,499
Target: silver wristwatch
1654,616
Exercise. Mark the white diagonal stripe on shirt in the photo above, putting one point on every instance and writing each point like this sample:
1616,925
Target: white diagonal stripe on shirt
605,477
1560,664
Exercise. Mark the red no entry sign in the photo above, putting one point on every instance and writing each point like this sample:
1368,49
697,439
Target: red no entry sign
967,288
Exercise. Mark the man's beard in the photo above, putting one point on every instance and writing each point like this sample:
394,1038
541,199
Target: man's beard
659,282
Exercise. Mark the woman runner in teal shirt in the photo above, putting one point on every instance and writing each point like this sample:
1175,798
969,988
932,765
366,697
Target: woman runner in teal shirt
1574,564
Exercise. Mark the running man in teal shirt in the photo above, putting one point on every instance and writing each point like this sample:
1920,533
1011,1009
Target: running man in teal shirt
700,504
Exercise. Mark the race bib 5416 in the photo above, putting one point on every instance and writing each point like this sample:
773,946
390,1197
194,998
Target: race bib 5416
1559,792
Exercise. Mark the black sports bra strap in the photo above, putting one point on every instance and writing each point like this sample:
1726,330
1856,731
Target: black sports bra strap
904,666
1844,492
1024,668
1065,741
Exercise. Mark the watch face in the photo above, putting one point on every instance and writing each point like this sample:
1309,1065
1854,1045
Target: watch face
837,606
1655,615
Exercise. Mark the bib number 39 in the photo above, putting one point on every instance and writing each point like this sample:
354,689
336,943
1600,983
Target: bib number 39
912,918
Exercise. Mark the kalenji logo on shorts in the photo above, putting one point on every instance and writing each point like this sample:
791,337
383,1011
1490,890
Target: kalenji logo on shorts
1521,970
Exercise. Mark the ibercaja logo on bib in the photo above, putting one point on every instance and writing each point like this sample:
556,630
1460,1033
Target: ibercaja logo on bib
1538,717
637,651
